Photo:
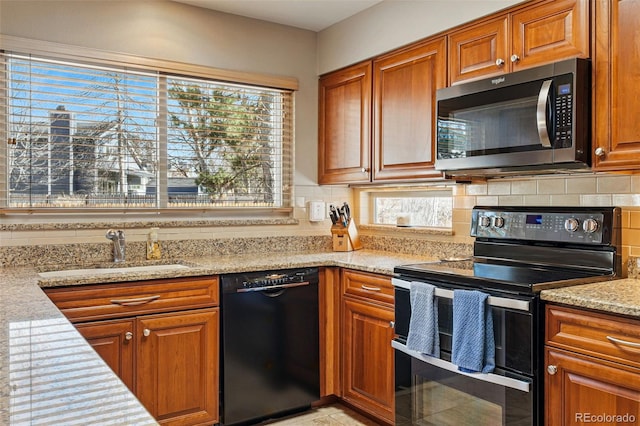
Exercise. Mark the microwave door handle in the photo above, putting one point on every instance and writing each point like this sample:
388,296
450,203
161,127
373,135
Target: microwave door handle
541,114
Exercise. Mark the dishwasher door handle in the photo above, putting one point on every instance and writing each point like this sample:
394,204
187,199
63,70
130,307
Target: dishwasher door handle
272,287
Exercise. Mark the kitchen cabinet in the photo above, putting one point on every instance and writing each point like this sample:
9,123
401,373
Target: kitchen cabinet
544,32
377,118
113,341
404,111
592,363
367,356
161,337
344,125
616,106
329,299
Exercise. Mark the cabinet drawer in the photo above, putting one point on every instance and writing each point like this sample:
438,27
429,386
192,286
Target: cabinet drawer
103,301
368,286
600,335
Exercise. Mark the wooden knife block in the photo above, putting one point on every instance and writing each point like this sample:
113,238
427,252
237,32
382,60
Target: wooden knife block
345,238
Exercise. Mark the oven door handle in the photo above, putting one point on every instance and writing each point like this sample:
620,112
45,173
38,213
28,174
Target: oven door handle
446,365
499,302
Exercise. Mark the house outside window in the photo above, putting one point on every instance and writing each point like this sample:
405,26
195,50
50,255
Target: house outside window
97,136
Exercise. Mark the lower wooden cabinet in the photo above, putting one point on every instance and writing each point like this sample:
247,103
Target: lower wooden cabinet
160,337
169,361
581,389
367,355
113,341
592,363
177,366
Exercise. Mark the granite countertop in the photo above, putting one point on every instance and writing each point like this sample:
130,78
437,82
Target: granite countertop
617,297
49,374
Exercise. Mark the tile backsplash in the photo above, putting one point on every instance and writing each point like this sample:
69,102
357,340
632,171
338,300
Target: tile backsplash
35,238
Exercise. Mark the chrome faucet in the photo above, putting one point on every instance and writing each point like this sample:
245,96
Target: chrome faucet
118,244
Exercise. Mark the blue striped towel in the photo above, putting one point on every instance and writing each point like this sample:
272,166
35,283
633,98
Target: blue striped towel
423,326
473,347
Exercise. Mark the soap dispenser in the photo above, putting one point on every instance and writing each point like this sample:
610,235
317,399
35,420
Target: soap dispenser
153,245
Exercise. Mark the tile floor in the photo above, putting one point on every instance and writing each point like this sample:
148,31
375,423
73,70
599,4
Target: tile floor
331,415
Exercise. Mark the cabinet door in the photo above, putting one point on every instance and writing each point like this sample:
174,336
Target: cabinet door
344,124
177,366
616,103
549,32
480,50
368,372
404,131
583,388
113,341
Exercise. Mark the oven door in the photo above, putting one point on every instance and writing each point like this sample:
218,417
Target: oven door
515,324
431,391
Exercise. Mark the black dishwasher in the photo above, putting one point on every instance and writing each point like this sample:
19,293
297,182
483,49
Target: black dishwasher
270,363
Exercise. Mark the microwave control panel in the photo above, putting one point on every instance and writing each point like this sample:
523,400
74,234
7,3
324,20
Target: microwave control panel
563,111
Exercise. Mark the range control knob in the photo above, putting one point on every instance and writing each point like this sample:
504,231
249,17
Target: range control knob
485,221
498,221
571,224
590,225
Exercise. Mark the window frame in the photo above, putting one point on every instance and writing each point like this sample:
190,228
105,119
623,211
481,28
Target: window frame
409,192
166,70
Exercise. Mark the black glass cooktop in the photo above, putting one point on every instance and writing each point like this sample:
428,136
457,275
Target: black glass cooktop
514,276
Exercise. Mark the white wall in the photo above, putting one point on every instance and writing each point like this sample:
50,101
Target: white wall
394,23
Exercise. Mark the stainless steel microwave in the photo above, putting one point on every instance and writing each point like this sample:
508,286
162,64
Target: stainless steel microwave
518,123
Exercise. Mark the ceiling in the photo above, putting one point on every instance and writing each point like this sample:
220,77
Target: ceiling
314,15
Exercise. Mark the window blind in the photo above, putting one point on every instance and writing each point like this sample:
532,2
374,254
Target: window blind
90,136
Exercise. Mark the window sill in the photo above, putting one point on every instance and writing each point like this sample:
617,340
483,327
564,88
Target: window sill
405,230
59,219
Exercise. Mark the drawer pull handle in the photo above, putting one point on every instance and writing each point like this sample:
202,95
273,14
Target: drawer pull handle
135,302
623,342
369,288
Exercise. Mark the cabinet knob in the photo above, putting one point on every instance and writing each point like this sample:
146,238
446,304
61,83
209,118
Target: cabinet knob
600,152
128,335
392,324
515,58
552,369
146,332
499,62
364,170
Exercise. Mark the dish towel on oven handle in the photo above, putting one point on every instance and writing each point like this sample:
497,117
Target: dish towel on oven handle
473,346
423,325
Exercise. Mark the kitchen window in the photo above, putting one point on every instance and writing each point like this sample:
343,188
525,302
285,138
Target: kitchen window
424,208
97,136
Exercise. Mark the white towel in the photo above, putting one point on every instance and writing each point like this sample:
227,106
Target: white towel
423,326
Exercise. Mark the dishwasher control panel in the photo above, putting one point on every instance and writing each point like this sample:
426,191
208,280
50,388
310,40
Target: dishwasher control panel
268,280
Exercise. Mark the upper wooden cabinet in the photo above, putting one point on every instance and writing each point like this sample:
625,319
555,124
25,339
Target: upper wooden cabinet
396,141
404,111
616,105
544,32
344,125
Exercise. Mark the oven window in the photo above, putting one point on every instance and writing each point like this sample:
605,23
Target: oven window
435,396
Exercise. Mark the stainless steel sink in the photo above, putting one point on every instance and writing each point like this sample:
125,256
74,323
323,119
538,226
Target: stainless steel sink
67,273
